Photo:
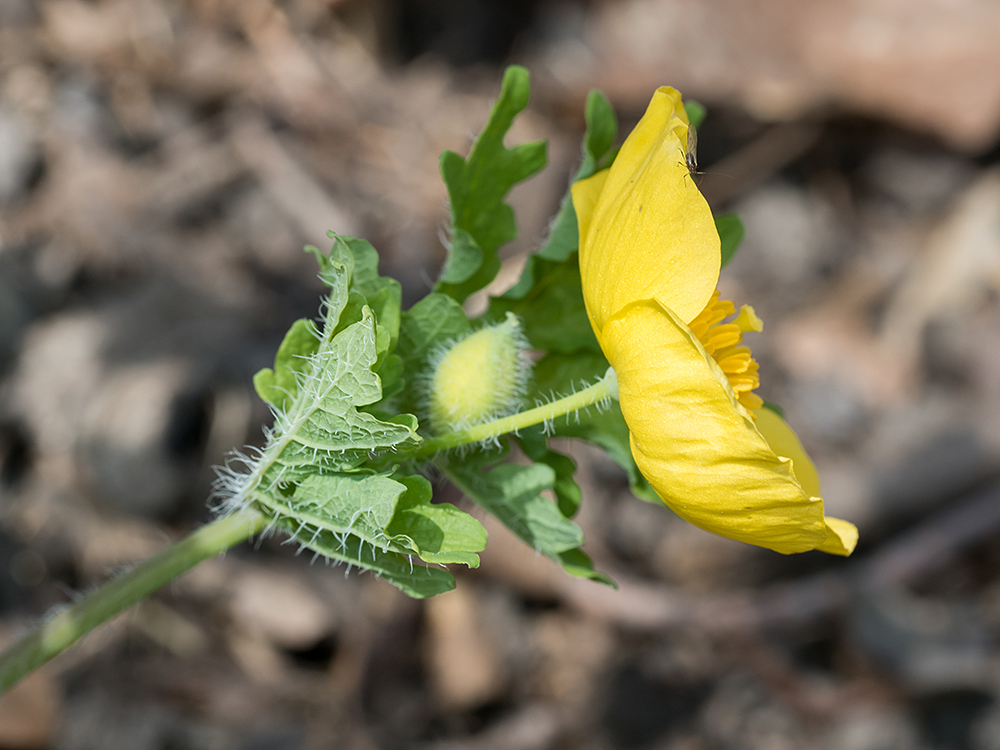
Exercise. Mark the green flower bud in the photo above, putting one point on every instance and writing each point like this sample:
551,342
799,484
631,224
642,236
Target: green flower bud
479,378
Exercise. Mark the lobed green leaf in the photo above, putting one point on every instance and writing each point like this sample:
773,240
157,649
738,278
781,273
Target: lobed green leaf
534,444
513,493
438,533
323,430
317,476
480,219
279,386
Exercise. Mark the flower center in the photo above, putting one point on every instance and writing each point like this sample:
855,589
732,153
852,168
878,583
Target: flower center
723,341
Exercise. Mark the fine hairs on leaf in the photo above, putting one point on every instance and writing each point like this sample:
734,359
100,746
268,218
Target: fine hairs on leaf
317,475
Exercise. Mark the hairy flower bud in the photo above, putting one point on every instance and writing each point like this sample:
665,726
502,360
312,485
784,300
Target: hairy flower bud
479,378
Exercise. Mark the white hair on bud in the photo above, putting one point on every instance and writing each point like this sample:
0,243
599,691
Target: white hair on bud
518,368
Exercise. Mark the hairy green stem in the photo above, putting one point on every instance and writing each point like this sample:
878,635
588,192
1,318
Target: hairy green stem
604,389
58,632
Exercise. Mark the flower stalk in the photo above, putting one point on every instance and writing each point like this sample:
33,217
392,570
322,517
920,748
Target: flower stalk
61,630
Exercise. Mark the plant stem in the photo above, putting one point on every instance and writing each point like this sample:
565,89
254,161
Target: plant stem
605,388
58,632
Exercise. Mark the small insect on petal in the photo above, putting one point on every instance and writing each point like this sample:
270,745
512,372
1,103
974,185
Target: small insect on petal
691,157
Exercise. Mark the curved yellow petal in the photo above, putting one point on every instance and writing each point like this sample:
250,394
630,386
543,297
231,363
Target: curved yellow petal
649,234
783,441
842,536
748,321
585,195
696,444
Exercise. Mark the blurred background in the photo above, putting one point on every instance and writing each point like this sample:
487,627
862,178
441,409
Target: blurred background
162,162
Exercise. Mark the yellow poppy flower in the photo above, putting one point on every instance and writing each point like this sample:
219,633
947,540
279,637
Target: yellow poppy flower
649,262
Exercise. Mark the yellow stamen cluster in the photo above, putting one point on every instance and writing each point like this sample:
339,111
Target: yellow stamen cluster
723,341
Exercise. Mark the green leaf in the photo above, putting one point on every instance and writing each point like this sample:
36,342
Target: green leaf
567,491
335,268
358,504
344,517
731,232
279,387
352,313
376,522
552,310
390,373
465,257
323,429
480,219
695,112
534,443
381,293
365,278
512,493
438,533
393,516
434,321
577,563
418,581
602,130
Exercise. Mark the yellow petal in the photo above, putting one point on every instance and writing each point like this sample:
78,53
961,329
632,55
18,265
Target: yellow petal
748,320
842,536
785,442
841,539
650,234
696,444
585,195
